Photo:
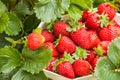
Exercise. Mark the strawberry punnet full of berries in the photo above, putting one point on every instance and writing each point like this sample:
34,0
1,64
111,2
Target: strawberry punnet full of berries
77,39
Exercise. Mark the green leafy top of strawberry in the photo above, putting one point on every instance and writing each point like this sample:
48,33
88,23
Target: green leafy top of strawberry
80,53
99,50
66,57
39,30
104,21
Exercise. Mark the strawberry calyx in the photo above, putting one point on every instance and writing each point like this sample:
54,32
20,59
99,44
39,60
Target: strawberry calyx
56,42
99,50
80,53
75,25
92,10
103,20
39,30
66,57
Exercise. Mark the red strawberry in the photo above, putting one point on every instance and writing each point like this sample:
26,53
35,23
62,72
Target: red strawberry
65,69
116,24
94,62
108,33
52,47
104,45
60,28
49,37
107,9
81,67
51,64
66,44
85,15
94,39
35,40
90,56
85,39
93,22
81,38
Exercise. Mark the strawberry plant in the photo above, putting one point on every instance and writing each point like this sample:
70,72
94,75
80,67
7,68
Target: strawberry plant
26,49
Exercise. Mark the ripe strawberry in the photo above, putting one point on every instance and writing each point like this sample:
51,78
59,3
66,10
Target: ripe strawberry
85,39
51,64
85,15
65,69
66,44
116,24
108,33
81,67
104,45
49,37
35,40
93,22
94,62
60,28
107,9
52,47
81,38
90,56
94,39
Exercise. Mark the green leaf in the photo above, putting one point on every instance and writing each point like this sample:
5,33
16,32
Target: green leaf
83,3
35,61
9,59
3,8
3,21
23,75
30,23
14,25
114,52
22,9
49,10
74,12
80,53
105,70
3,41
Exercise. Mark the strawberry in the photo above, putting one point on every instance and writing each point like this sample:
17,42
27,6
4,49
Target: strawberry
90,56
85,39
66,44
51,64
49,37
65,69
116,24
60,28
85,15
94,62
81,38
108,33
94,39
104,45
35,40
107,9
52,47
81,67
92,21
